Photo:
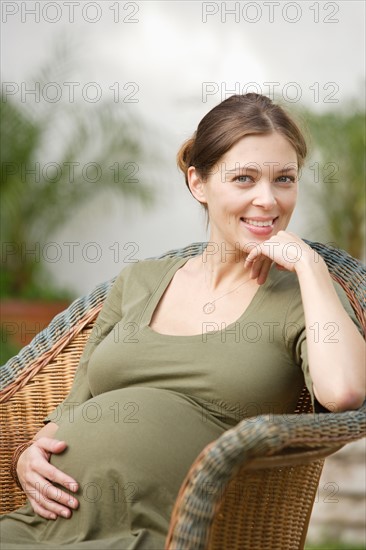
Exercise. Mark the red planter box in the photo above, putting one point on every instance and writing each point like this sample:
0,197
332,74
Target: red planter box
21,320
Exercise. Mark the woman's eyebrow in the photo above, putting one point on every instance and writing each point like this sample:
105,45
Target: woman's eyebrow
251,168
248,167
291,169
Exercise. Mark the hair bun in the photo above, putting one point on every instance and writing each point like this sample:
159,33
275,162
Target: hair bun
184,155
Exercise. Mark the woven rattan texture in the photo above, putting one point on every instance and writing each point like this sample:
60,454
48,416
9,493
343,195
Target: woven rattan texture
60,330
21,416
266,498
194,518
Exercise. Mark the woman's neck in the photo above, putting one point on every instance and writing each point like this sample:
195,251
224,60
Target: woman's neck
222,268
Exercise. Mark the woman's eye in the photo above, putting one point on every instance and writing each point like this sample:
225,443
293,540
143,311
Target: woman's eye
243,179
286,179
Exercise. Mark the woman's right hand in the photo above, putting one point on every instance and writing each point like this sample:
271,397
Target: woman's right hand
37,476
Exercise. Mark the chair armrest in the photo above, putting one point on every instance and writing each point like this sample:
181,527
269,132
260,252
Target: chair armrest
277,442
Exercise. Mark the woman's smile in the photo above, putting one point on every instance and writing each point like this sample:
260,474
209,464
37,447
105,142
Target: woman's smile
259,226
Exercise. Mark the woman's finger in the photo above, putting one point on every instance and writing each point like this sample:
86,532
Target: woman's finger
263,273
48,497
50,445
252,256
55,475
41,511
56,494
256,267
47,508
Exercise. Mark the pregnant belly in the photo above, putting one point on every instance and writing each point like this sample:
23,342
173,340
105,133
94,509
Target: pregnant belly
130,450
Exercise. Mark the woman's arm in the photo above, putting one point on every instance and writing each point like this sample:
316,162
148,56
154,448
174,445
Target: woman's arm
35,474
336,364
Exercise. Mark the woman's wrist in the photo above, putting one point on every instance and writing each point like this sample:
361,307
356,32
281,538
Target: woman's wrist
15,458
310,263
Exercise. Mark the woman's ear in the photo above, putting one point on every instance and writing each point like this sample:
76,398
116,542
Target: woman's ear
196,185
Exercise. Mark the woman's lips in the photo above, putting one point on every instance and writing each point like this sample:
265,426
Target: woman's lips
254,225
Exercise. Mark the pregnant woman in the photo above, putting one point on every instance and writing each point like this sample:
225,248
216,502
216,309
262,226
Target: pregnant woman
184,348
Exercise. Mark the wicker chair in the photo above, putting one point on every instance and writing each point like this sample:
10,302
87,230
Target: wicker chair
252,488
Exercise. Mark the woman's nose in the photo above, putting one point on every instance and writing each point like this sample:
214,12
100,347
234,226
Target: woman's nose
264,196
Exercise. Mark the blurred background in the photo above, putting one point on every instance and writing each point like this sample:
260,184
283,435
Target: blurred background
97,98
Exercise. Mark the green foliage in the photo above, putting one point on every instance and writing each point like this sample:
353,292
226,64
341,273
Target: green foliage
334,545
338,158
7,349
39,289
104,136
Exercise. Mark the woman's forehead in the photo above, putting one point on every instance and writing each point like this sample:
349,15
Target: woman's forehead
260,149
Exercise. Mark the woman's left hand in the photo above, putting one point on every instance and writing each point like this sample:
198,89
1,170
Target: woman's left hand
285,249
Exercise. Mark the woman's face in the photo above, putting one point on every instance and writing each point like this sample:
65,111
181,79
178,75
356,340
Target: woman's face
252,192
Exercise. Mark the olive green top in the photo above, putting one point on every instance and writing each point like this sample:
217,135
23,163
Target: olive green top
255,365
143,405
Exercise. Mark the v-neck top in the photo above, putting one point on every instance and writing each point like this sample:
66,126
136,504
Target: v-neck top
216,328
255,365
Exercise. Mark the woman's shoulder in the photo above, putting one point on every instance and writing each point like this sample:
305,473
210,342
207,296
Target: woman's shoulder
152,265
286,293
148,271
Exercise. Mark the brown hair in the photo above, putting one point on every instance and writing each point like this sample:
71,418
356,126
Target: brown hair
228,122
